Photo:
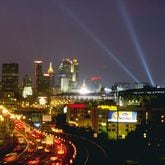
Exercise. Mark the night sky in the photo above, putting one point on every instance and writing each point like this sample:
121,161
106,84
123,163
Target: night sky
120,41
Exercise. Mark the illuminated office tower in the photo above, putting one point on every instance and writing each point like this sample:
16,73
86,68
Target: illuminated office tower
10,77
74,70
68,75
38,75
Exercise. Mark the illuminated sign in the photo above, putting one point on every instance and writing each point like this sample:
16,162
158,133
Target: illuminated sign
108,107
122,116
76,105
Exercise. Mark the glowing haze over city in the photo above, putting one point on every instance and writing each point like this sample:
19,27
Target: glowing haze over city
82,82
116,40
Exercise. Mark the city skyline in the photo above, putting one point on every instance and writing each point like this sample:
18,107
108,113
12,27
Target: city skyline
116,40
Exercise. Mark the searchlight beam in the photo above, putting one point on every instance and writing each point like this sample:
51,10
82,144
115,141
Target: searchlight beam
134,38
95,38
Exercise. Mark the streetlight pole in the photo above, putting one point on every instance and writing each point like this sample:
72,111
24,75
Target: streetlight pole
117,134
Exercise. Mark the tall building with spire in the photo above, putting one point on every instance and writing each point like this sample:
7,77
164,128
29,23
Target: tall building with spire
51,75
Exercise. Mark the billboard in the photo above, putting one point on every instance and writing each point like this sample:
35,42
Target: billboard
122,116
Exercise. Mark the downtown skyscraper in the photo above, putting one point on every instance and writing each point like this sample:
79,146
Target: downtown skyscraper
68,75
10,77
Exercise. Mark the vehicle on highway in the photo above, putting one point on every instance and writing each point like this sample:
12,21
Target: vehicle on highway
11,157
35,161
55,160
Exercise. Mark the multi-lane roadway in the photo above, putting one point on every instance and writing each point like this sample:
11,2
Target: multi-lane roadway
57,148
36,147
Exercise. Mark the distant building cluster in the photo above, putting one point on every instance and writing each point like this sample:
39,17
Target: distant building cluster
120,113
43,83
115,112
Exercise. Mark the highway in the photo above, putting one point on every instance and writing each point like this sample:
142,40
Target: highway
64,147
36,147
88,152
